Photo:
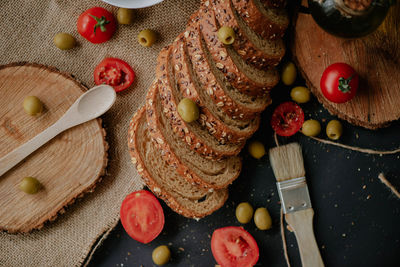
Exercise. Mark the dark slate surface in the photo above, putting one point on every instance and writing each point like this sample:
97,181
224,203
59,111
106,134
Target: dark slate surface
356,217
356,220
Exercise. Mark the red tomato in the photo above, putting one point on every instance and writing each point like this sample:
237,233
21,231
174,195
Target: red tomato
97,25
142,216
339,83
287,119
114,72
232,246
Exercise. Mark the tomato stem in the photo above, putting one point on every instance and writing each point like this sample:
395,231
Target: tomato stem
101,23
344,84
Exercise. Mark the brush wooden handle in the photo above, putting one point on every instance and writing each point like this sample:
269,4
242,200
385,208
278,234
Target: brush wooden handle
302,224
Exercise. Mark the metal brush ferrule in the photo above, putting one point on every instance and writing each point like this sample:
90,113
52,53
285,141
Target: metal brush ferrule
294,195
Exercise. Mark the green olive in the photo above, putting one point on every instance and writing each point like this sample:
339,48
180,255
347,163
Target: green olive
125,16
32,105
147,38
226,35
244,212
64,41
256,149
262,219
289,73
30,185
334,129
188,110
311,128
300,94
161,255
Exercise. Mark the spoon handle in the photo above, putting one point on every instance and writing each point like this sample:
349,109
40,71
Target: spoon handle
21,152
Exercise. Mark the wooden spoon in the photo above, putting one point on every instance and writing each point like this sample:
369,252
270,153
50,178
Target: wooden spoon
88,106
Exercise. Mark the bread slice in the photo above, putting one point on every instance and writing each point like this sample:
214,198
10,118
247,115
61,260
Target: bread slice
196,136
244,77
261,53
269,23
163,180
223,127
196,169
234,103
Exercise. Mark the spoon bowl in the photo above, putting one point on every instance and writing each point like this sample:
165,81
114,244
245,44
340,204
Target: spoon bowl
96,101
90,105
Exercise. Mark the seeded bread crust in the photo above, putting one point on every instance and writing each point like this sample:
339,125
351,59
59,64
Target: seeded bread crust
181,185
235,69
155,124
273,3
191,208
204,145
270,24
235,104
219,125
259,52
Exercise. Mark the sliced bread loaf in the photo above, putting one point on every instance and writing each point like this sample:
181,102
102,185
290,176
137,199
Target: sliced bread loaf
163,180
218,123
234,103
261,53
246,78
196,136
269,23
195,168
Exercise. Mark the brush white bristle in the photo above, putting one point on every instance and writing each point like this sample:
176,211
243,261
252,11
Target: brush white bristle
287,162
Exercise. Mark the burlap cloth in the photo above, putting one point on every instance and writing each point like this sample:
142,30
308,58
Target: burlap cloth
26,34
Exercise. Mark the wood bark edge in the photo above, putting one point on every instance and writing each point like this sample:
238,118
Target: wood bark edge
53,216
325,103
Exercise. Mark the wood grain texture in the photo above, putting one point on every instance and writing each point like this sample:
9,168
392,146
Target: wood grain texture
302,224
67,166
375,57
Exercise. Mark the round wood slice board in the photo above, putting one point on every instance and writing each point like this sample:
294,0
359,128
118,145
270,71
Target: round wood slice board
375,57
67,166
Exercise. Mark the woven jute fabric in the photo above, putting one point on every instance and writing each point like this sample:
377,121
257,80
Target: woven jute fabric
27,29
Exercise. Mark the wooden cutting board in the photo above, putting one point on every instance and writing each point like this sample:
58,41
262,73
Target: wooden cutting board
67,166
375,57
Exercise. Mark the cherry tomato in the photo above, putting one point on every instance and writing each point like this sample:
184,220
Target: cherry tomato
142,216
232,246
287,119
339,83
97,25
114,72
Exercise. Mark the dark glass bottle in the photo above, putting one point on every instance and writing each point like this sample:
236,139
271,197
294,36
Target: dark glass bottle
349,18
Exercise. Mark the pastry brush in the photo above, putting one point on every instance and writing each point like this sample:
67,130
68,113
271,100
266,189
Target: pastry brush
287,164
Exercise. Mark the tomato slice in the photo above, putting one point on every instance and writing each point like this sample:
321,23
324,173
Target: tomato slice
287,119
232,246
114,72
142,216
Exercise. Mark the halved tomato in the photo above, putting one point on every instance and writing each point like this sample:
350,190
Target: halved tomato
287,119
142,216
232,246
114,72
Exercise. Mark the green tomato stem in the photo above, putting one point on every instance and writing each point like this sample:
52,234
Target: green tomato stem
101,23
344,84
